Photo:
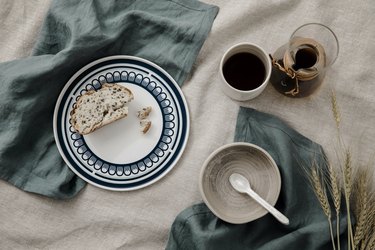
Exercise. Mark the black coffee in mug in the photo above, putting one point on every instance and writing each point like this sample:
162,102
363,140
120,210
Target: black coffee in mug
244,71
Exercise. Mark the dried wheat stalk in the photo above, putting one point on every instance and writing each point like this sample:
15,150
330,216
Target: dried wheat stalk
357,189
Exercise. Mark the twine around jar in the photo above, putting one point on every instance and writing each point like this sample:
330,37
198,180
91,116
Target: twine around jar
289,72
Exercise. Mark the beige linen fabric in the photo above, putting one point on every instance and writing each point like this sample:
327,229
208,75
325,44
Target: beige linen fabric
100,219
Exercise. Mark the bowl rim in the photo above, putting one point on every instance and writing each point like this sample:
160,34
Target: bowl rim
222,148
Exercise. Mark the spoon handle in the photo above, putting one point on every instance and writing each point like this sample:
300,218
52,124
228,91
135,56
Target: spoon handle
276,213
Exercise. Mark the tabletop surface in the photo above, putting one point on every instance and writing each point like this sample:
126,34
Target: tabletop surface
141,219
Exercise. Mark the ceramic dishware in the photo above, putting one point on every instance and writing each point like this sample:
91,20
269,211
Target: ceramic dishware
249,160
119,156
245,70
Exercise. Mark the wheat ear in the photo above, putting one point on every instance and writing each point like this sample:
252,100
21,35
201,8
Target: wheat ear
369,237
371,242
336,196
362,210
347,179
335,109
321,194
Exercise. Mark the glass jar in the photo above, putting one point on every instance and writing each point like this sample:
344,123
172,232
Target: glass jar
300,65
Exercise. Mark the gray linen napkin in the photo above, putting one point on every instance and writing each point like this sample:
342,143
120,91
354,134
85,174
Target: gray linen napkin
169,33
198,228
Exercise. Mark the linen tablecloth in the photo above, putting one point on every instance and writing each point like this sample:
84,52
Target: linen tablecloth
100,219
74,34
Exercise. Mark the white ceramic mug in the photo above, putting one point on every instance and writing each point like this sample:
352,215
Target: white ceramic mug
244,95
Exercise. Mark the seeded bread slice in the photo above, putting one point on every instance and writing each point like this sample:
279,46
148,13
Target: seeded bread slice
97,108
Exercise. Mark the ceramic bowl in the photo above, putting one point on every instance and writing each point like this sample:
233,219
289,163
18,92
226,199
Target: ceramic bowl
249,160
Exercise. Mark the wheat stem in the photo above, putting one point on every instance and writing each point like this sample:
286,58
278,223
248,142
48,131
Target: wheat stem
331,231
338,229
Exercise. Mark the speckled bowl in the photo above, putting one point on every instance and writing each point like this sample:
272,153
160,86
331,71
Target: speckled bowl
249,160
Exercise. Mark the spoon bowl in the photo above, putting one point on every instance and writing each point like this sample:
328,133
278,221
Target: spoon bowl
242,185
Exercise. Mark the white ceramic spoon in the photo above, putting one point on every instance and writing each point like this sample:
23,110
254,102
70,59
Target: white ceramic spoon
242,185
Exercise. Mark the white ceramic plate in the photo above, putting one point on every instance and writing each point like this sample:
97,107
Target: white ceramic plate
119,156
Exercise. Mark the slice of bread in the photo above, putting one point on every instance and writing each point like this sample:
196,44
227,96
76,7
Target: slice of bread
97,108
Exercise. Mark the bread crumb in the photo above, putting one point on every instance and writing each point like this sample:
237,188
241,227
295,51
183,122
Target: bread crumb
142,114
145,125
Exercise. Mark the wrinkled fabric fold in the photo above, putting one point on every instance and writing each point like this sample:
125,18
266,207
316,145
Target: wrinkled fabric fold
198,228
75,33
